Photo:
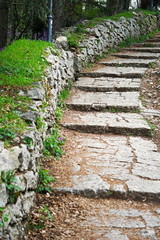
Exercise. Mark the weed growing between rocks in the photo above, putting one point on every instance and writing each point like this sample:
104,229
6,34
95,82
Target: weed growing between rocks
21,64
44,180
4,217
11,123
53,144
129,41
9,179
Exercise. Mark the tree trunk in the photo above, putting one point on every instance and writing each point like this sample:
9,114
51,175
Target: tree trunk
113,7
3,23
58,8
145,4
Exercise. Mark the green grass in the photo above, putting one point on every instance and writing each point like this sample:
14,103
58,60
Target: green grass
22,63
11,124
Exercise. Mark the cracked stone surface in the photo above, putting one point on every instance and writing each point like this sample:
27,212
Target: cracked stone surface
103,84
125,101
135,55
104,122
117,72
112,166
124,220
128,62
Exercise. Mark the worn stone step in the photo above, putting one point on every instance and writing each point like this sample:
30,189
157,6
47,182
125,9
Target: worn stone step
128,62
105,84
103,166
104,122
143,49
147,44
124,72
137,55
119,101
153,40
108,219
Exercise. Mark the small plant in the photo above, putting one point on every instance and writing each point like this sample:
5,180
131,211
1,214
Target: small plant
39,123
6,134
63,96
53,144
42,216
58,114
4,217
28,141
45,212
44,180
153,128
153,65
9,179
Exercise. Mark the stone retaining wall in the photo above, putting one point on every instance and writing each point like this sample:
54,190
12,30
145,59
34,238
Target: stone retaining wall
63,64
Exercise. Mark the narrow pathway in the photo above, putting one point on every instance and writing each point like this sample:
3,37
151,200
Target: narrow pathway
118,158
111,170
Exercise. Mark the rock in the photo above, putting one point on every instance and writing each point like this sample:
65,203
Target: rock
1,146
31,180
36,92
28,201
30,116
62,41
148,233
3,195
9,159
24,158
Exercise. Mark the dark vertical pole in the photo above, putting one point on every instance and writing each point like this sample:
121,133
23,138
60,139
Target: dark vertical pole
151,5
50,22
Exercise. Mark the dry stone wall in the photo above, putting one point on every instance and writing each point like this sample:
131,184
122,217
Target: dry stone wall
63,64
109,34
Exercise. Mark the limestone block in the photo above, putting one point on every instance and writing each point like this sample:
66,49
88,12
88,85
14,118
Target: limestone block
3,195
30,116
9,159
36,92
31,180
1,146
28,201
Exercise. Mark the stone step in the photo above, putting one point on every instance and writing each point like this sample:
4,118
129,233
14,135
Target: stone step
114,101
124,72
153,40
143,49
143,63
136,55
105,84
104,122
110,219
110,166
147,44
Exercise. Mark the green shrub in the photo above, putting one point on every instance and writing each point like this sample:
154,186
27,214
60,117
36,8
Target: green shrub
53,144
44,180
9,179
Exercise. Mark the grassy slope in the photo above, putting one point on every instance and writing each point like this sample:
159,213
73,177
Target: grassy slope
21,64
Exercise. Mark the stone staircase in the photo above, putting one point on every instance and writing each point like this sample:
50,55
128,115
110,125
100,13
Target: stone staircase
111,153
